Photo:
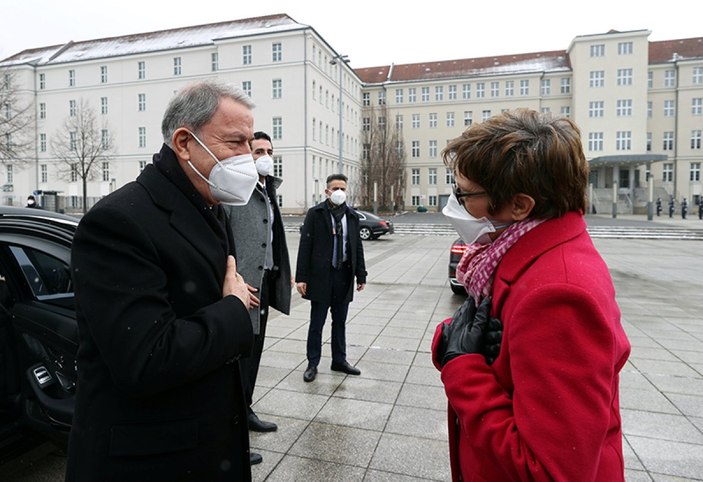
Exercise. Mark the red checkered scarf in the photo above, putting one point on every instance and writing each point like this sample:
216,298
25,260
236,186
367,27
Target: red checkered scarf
479,262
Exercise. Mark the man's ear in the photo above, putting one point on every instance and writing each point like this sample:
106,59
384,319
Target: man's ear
180,139
522,206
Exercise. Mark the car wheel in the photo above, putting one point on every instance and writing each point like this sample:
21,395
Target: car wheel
365,233
458,289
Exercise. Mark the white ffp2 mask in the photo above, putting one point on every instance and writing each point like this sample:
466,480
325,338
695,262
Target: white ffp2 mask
469,228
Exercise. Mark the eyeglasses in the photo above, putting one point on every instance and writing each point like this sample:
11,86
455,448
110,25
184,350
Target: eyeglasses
466,194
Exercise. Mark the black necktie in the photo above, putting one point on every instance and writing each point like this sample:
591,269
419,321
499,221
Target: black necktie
339,244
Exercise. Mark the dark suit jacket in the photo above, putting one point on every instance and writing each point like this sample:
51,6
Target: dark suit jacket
158,395
314,263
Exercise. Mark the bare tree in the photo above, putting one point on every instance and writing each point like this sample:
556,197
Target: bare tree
383,160
80,146
16,122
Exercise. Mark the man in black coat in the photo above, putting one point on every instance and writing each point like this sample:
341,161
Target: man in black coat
162,312
330,255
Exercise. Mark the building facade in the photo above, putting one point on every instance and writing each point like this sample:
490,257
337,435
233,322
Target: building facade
639,105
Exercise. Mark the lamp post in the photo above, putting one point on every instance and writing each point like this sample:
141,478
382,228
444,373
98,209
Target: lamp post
340,60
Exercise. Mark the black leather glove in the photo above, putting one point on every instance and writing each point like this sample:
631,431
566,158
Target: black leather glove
492,339
464,335
465,312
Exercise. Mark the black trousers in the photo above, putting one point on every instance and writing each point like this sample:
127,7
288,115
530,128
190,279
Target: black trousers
249,366
341,279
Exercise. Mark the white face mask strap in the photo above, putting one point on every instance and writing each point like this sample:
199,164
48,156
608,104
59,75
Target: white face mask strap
200,175
204,147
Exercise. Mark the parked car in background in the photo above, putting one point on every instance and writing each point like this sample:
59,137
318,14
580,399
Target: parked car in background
372,226
38,329
455,252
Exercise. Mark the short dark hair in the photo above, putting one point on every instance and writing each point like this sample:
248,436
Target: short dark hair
336,177
524,151
262,135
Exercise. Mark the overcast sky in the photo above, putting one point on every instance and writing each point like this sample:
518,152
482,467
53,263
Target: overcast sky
371,32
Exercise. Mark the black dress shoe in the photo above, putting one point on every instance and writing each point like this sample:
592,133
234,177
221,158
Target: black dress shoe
258,425
310,373
346,368
255,458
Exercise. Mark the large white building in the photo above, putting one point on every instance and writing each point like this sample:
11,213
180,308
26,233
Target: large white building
639,105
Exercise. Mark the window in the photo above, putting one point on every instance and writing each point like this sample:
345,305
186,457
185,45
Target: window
432,200
104,139
697,106
433,153
448,176
696,139
103,105
141,70
72,137
277,123
42,81
103,74
399,122
565,111
669,108
366,99
450,119
439,93
71,78
624,48
596,108
279,200
382,97
142,136
669,78
697,76
624,77
509,88
466,91
566,85
545,86
177,66
485,115
452,92
366,124
668,172
214,62
425,94
72,108
649,141
276,52
433,120
246,87
468,118
416,121
43,172
45,274
105,168
42,110
480,90
525,87
142,165
398,96
650,109
650,80
42,143
412,95
432,173
624,108
596,78
246,54
623,140
141,102
668,141
597,50
415,175
695,172
278,166
277,88
595,141
415,200
415,151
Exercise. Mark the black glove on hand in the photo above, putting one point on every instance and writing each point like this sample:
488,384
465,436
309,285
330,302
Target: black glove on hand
464,335
492,339
464,314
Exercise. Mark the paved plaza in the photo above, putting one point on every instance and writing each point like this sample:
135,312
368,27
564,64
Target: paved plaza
390,423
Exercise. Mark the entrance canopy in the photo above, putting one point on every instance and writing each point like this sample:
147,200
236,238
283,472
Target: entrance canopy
629,160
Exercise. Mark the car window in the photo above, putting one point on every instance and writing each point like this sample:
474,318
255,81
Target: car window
45,274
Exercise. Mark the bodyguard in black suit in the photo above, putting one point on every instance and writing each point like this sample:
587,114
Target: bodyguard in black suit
330,256
162,312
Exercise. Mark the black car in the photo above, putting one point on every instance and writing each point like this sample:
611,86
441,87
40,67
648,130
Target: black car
371,226
38,329
455,252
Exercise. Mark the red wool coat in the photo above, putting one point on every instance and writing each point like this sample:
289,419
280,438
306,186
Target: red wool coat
548,408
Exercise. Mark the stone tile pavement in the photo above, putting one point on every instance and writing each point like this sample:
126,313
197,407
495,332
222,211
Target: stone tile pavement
389,424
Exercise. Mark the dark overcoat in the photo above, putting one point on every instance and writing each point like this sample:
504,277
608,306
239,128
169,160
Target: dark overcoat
158,396
314,265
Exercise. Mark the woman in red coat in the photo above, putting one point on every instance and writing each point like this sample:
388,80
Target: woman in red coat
531,362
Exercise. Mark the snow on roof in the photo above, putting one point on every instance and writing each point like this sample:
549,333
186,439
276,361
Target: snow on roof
196,36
